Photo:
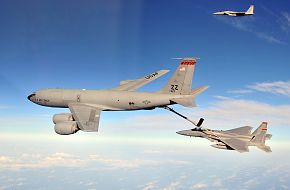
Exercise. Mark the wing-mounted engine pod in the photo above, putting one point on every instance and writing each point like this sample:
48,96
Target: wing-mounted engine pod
66,127
61,117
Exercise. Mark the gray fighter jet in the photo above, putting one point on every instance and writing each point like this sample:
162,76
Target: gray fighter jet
86,105
250,11
238,139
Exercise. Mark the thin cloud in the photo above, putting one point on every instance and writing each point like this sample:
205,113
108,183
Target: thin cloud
172,186
39,161
61,159
199,186
151,185
245,112
132,164
240,91
247,26
268,38
217,182
277,87
251,183
285,22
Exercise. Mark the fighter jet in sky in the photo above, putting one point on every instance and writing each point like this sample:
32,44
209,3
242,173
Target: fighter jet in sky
238,139
86,105
250,11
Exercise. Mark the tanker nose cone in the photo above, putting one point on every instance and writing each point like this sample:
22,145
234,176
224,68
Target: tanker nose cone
31,97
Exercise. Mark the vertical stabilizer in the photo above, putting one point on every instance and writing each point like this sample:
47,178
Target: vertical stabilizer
181,80
250,10
261,130
259,136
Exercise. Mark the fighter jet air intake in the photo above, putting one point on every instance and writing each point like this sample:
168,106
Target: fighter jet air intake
86,105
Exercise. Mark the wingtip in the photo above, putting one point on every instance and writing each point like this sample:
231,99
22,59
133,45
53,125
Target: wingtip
163,71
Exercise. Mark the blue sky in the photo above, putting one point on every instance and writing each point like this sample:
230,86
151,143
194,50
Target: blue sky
94,45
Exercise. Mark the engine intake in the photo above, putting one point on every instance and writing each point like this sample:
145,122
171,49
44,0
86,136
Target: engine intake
61,117
66,127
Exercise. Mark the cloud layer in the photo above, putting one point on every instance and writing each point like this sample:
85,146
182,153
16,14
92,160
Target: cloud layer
61,159
276,87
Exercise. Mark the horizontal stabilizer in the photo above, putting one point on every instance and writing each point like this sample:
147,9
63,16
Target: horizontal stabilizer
190,100
265,148
241,130
198,90
186,102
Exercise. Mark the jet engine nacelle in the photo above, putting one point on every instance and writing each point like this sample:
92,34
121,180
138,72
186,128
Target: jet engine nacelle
61,117
66,127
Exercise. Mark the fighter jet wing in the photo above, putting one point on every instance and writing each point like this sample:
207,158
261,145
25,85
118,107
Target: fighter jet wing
241,130
131,85
86,116
236,144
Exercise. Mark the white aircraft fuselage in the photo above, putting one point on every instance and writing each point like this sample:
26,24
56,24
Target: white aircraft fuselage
232,13
109,99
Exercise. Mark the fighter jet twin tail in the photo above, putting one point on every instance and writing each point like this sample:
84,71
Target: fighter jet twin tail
86,106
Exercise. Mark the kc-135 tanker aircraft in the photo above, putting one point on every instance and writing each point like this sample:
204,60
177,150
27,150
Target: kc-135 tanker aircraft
238,139
86,105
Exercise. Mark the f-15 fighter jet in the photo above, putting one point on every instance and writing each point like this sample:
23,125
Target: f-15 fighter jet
238,139
86,105
250,11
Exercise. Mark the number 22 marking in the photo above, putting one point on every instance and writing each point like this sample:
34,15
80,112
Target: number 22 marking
174,87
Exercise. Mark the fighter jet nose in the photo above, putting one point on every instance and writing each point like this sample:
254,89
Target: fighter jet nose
181,132
31,97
